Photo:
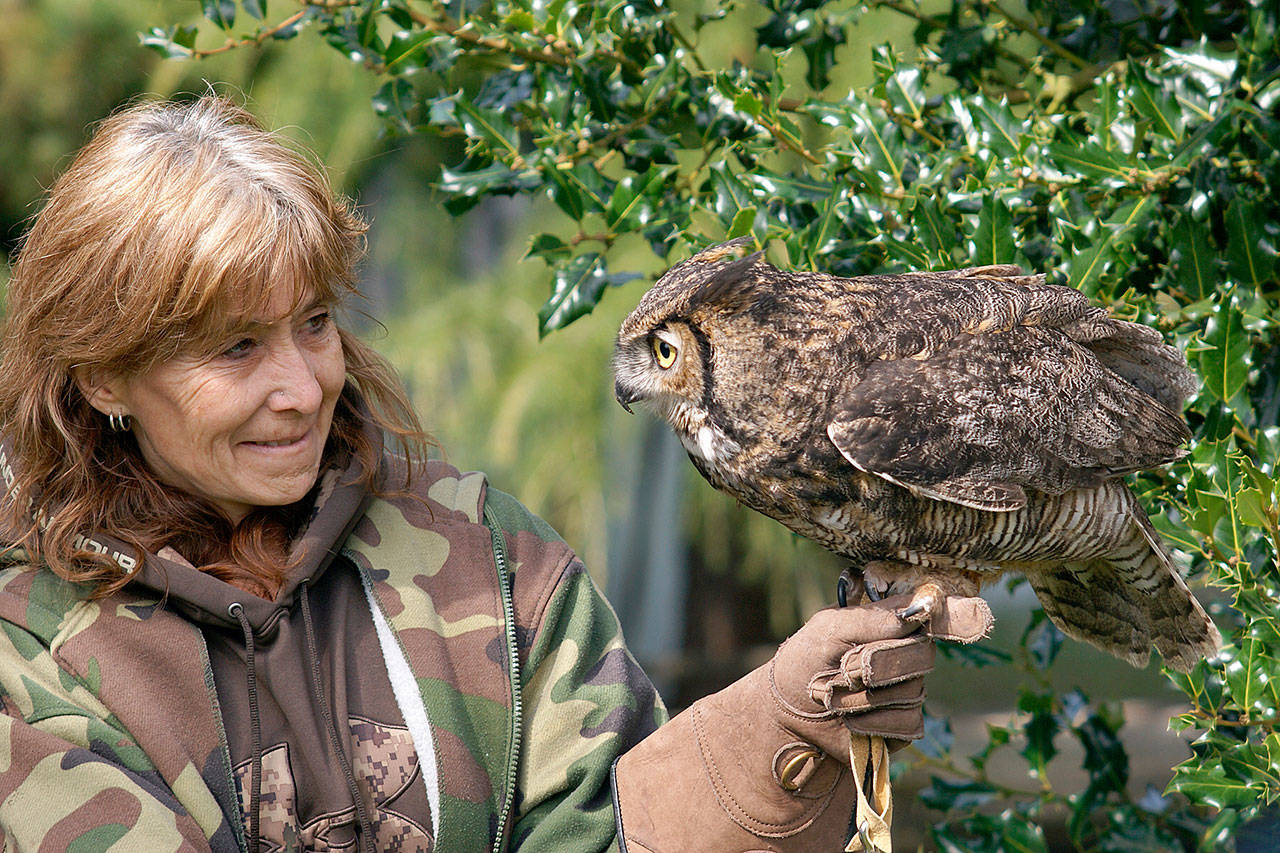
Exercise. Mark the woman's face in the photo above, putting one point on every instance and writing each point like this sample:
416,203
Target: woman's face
247,427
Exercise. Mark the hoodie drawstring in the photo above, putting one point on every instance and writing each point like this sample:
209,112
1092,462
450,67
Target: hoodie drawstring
335,739
236,611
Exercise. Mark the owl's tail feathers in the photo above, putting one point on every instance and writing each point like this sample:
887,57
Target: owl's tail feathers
1129,602
1183,633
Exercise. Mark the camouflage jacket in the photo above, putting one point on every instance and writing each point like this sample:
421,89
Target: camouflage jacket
110,731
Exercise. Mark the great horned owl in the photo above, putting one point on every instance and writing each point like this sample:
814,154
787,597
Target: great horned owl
935,428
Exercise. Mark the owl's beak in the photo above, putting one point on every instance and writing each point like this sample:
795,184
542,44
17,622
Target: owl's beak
624,396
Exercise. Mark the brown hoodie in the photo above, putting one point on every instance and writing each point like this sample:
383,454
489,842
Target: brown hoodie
338,766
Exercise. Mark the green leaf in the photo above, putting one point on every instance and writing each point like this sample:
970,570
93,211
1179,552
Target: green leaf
565,193
171,43
631,203
1086,268
747,102
367,30
937,230
1253,509
1246,672
1094,161
395,102
742,223
874,144
520,20
1193,259
901,86
550,248
1210,785
490,126
1224,363
474,184
976,655
221,12
255,8
1153,104
731,195
576,289
909,253
1021,835
1041,728
1250,255
944,794
999,129
1042,640
790,188
576,191
938,739
993,240
404,50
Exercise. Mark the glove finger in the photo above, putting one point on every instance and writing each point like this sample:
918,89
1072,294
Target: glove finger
874,665
897,723
964,620
889,661
903,694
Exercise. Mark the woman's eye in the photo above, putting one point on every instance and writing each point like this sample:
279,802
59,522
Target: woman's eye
318,322
239,349
664,352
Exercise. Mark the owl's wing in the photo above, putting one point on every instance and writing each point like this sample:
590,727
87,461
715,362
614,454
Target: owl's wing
984,416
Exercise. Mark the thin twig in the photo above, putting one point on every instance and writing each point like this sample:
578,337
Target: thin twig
451,28
940,22
684,42
254,40
783,138
1032,29
909,124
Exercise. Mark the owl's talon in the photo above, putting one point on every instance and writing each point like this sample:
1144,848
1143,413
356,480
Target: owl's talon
926,602
849,587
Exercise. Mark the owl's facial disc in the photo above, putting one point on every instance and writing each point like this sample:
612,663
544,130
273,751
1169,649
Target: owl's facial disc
654,368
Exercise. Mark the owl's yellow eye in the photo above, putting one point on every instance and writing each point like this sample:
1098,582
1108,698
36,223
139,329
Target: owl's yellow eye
664,352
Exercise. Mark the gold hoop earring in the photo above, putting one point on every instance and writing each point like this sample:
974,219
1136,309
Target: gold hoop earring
119,422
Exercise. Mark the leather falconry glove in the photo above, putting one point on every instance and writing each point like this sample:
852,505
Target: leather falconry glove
764,764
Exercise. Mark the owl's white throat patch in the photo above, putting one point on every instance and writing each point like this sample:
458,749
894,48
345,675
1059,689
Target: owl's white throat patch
701,438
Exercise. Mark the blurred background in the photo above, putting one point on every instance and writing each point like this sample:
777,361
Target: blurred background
705,589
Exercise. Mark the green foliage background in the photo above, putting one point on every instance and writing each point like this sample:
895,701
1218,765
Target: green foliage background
1129,149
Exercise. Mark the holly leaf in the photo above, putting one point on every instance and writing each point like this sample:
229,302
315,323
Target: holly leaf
1250,256
1224,363
993,240
576,289
221,12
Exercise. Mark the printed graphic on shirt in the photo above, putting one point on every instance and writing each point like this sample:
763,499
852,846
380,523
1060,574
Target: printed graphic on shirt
384,763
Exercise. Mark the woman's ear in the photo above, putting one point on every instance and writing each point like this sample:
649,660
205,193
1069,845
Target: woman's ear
100,388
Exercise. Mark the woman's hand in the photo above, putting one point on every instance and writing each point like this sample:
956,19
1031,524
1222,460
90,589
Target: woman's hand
764,763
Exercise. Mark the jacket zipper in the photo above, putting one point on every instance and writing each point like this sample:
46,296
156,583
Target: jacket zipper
513,662
235,818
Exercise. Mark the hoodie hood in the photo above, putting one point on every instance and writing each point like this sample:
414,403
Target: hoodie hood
205,599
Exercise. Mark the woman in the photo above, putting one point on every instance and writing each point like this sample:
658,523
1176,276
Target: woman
235,620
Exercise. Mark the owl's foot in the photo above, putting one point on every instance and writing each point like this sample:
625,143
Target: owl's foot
850,587
926,605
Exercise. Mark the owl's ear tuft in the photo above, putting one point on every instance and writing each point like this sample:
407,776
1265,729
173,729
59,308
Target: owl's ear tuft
729,286
730,249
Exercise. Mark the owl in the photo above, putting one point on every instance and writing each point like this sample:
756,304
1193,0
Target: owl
938,429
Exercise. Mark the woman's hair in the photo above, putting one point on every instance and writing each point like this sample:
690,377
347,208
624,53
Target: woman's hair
170,229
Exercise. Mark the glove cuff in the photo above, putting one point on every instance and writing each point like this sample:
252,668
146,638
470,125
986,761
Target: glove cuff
732,783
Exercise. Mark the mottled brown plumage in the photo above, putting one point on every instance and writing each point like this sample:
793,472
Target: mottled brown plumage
933,427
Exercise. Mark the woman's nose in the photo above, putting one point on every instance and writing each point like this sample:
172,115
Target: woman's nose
294,384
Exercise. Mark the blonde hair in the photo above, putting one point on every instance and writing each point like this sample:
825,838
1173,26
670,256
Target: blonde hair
172,226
